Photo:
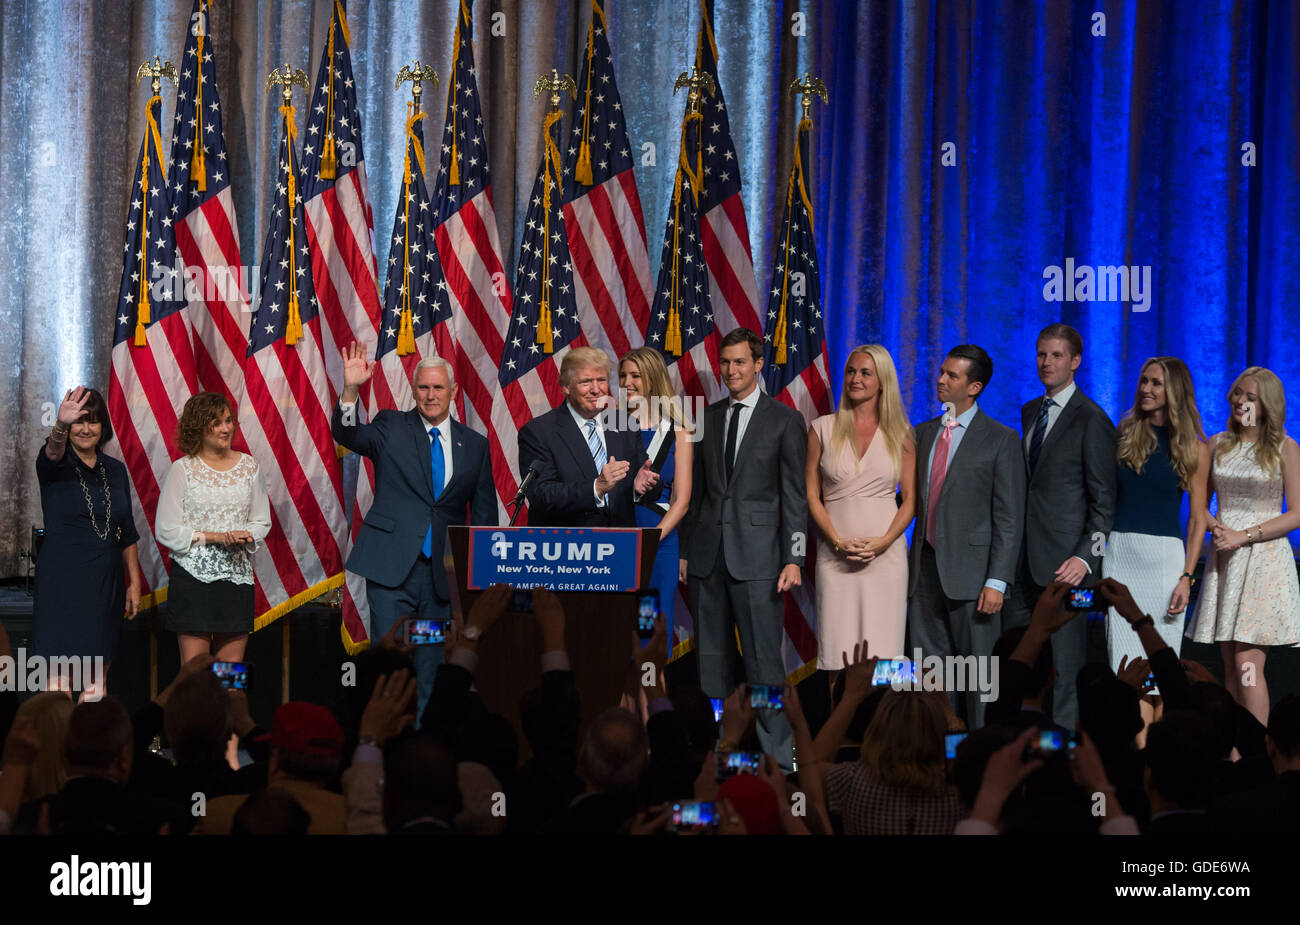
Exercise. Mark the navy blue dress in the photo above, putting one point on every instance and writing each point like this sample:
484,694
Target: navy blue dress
80,592
663,578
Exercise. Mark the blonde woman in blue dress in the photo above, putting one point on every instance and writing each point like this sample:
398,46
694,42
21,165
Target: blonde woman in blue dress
1251,597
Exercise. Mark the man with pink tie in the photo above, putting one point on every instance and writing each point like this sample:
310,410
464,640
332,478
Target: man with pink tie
970,517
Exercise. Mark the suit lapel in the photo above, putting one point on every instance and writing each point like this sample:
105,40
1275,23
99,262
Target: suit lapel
1063,421
573,437
757,416
926,434
459,458
420,437
969,446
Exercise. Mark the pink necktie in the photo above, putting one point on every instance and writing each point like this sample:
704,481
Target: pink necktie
938,472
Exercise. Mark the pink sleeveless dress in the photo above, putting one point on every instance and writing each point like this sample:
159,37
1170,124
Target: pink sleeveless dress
859,601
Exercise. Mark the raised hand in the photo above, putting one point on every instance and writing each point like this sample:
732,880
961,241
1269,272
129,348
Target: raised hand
1118,596
1133,672
858,672
1048,612
611,475
73,403
390,709
356,370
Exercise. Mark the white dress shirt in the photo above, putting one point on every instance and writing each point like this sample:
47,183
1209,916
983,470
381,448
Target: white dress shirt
600,435
1059,401
745,408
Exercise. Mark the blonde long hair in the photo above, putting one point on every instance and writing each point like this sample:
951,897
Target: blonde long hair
1137,438
656,382
1271,418
889,406
903,744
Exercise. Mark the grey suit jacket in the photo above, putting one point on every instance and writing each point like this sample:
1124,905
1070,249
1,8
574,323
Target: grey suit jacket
981,508
761,516
1071,493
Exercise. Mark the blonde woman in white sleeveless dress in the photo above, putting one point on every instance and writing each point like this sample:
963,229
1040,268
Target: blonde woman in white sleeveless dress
858,458
1251,596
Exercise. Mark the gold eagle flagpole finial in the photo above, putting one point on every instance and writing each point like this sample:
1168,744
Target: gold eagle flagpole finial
555,83
157,71
695,81
416,74
806,86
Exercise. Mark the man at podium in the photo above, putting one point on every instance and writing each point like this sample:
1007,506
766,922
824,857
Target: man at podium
584,472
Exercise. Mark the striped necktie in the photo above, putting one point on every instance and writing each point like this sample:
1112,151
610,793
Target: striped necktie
598,454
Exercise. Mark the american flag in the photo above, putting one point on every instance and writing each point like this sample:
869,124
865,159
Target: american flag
602,210
722,224
682,322
291,397
340,227
794,365
153,372
545,322
466,232
206,231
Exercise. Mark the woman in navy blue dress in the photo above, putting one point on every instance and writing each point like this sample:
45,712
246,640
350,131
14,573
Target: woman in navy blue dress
651,400
88,572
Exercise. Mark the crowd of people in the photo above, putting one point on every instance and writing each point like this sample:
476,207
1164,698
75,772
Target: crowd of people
1006,526
879,765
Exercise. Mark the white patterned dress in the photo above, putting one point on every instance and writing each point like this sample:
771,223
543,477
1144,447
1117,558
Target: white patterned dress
1251,594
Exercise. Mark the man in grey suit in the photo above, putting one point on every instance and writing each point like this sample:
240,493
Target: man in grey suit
743,538
1069,453
970,516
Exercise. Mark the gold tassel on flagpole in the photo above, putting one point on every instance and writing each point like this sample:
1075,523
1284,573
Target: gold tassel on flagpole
328,161
293,326
152,135
582,170
406,327
551,170
198,165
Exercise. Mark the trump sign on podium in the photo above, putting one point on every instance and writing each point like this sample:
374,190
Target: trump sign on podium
558,558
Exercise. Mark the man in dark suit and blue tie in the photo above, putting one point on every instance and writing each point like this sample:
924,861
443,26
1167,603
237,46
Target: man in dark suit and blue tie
430,472
583,466
1069,453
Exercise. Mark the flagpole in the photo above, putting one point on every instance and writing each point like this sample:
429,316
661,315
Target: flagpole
553,167
417,74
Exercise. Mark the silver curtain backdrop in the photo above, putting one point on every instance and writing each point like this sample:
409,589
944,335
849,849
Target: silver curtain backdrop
71,119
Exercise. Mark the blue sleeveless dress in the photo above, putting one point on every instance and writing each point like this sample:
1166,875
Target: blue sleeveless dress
663,578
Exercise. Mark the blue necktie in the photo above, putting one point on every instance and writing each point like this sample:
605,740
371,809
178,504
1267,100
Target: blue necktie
1040,431
598,454
439,475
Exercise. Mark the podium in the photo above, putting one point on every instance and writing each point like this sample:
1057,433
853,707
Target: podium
596,573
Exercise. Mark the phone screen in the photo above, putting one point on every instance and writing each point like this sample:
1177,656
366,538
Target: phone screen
894,672
233,675
766,697
427,632
647,610
716,703
1080,599
732,763
522,601
950,742
695,814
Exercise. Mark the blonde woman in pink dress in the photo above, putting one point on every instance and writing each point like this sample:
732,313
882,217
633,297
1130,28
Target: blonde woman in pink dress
858,459
1250,599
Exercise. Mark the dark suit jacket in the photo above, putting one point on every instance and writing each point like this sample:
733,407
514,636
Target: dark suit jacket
561,495
981,510
1071,493
760,517
404,508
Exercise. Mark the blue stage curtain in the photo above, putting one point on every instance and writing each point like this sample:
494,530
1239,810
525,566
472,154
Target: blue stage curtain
1118,149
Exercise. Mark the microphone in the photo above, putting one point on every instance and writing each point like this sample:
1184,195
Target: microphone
533,469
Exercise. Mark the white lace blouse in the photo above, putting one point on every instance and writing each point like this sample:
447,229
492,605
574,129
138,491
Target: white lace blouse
197,498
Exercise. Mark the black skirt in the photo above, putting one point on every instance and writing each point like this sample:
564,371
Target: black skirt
198,607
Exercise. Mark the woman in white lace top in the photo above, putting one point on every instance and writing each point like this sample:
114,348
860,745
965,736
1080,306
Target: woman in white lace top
212,515
1250,599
